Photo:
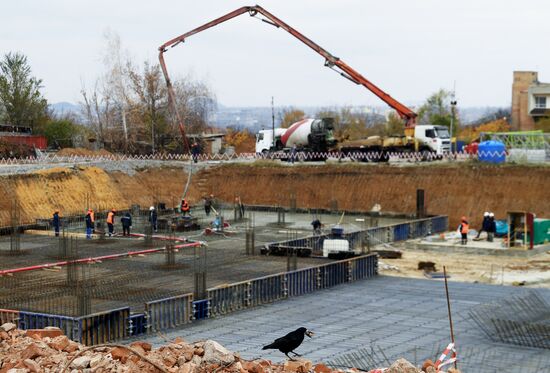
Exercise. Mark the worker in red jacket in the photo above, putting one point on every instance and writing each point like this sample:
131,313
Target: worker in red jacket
463,229
185,207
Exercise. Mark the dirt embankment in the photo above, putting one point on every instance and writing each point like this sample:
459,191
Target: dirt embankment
72,190
454,190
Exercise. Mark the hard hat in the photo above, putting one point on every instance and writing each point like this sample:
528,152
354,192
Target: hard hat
485,213
151,208
491,214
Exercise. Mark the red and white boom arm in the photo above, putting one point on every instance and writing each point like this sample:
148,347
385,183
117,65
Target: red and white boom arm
331,61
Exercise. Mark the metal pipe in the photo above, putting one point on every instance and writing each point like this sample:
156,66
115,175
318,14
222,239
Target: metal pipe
93,259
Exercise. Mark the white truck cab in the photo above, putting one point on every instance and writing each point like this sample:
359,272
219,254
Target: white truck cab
433,138
264,139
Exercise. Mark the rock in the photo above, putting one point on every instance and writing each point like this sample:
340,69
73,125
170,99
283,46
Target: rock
121,354
427,363
453,370
31,352
144,345
188,354
32,365
8,326
98,361
18,370
299,366
81,362
59,343
49,331
253,367
4,336
179,340
402,366
187,368
71,347
196,360
321,368
170,361
199,351
215,353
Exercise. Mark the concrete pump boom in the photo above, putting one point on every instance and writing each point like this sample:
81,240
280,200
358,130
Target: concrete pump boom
331,61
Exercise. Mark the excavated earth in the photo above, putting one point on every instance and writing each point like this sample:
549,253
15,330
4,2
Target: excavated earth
451,189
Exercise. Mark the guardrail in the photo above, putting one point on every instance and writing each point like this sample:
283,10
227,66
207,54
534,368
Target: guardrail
272,288
9,316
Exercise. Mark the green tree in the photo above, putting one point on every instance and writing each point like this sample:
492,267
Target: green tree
394,125
437,110
60,132
291,116
20,96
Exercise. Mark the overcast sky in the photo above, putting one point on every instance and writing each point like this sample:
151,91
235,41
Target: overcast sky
409,48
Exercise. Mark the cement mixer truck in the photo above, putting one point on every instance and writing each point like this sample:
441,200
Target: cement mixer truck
310,137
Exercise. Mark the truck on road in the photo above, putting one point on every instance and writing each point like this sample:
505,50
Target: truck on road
430,141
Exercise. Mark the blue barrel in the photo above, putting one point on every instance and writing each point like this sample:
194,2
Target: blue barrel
337,231
491,152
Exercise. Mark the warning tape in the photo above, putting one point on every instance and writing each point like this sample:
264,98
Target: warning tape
444,359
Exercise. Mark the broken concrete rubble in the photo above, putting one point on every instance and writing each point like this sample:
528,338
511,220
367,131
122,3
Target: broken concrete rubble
28,353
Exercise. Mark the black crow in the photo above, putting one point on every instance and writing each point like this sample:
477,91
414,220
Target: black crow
289,342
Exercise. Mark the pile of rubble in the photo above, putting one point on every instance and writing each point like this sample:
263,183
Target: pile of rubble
48,350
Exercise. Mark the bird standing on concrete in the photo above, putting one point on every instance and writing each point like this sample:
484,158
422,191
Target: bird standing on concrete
289,342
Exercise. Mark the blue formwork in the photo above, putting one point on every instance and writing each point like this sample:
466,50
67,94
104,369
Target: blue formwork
440,224
137,324
401,232
200,309
420,228
105,327
301,282
334,274
267,289
71,326
168,312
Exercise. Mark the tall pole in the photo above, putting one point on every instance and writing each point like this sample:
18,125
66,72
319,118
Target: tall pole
449,307
272,123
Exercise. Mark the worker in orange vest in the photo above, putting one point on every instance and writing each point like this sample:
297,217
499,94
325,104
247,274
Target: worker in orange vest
111,221
463,229
184,207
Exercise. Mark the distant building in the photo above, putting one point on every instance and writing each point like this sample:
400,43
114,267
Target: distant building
530,100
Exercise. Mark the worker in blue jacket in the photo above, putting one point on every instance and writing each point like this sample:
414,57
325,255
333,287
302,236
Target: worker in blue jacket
56,222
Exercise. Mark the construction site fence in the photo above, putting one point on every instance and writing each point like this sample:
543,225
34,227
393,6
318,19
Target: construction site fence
370,156
372,236
246,294
168,312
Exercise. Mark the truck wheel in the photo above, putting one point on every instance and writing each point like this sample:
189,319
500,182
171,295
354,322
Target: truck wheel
427,155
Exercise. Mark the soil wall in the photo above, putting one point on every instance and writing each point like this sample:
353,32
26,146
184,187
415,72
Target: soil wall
453,190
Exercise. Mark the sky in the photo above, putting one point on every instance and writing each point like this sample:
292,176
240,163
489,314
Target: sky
408,48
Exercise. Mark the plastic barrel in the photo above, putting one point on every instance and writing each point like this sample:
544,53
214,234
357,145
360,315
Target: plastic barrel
492,152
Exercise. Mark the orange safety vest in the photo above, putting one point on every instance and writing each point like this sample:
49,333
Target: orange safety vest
465,227
110,217
184,206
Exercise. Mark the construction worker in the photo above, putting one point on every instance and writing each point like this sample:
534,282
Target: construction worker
316,226
56,222
239,208
90,223
195,151
207,205
126,221
184,207
153,218
463,229
111,221
484,225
